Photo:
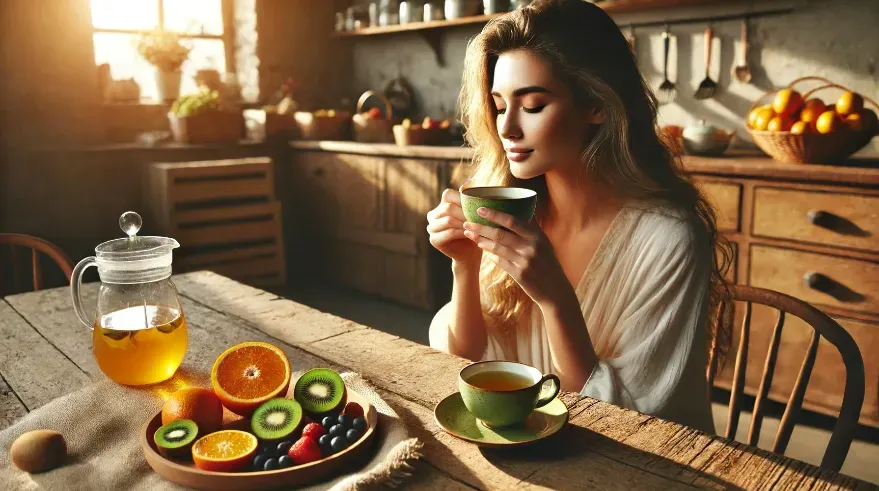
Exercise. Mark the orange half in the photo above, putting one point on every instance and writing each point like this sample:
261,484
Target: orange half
248,374
224,451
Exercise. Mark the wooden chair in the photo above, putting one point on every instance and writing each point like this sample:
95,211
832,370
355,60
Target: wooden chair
853,398
37,246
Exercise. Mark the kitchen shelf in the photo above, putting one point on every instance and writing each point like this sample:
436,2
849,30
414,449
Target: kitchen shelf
612,7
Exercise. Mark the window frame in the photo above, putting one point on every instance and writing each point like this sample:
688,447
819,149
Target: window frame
228,36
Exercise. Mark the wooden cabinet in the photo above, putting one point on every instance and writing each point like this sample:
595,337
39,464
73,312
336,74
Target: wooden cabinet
811,232
360,221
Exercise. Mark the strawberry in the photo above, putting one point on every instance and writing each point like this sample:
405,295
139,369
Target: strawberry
354,410
305,450
313,430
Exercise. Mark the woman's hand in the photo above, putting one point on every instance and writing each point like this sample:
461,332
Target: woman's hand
524,252
445,224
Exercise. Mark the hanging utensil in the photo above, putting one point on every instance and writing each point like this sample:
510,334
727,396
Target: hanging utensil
667,90
741,71
630,37
708,87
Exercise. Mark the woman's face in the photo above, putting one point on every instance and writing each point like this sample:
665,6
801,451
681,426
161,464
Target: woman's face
537,121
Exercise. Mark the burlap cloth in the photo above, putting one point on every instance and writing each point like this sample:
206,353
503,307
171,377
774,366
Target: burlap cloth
102,424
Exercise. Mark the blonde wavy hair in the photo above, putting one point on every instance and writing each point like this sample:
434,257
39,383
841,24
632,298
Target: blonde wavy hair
589,53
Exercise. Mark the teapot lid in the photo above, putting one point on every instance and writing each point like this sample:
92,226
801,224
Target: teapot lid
134,259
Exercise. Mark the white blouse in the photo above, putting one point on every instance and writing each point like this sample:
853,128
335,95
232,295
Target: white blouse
644,298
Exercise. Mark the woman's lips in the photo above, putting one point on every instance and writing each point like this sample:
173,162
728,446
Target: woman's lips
519,154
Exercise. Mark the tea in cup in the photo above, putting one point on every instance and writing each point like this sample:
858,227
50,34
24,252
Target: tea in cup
504,393
519,202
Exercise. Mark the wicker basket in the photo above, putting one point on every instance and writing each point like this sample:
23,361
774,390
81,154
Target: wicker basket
369,130
416,135
812,148
209,126
336,127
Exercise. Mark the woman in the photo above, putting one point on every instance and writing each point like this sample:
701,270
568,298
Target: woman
611,285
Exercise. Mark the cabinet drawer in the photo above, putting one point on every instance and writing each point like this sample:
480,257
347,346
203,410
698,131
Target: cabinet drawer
836,219
726,198
838,282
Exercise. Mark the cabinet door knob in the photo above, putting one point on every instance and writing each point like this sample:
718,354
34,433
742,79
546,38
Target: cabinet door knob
819,218
818,281
319,171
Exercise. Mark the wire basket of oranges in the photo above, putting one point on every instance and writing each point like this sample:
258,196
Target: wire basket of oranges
798,127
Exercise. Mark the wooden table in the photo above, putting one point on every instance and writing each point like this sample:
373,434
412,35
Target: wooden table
45,352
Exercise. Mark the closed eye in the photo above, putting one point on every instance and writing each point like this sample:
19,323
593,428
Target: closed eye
533,110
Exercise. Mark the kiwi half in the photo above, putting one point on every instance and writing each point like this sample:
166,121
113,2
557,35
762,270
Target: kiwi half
320,391
276,419
175,439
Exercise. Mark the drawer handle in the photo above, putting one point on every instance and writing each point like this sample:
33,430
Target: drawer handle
820,218
829,286
818,281
836,223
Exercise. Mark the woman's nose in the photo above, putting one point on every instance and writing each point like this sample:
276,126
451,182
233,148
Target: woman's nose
508,125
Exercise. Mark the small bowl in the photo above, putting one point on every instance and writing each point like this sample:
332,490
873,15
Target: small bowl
704,139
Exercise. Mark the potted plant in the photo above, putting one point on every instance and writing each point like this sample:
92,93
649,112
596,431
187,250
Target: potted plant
165,51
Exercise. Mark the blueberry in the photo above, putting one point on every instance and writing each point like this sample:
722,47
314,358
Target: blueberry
283,447
268,449
329,422
324,440
285,461
339,443
352,435
337,430
259,461
359,424
345,420
271,464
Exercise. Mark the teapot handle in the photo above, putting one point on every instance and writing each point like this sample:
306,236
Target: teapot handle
76,284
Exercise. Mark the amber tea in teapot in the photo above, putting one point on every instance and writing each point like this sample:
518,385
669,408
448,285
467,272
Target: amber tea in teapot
138,328
133,355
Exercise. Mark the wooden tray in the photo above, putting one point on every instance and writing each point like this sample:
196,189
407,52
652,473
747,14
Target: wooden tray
184,472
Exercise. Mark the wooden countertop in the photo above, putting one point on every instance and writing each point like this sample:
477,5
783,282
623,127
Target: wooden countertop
861,171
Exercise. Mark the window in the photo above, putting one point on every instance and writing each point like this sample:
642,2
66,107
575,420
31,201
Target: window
202,23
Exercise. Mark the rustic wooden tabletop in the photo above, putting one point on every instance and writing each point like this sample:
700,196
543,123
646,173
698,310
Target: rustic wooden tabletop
45,353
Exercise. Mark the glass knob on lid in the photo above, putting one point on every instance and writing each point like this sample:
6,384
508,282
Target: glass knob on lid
134,259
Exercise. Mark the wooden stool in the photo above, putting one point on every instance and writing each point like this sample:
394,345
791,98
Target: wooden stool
225,216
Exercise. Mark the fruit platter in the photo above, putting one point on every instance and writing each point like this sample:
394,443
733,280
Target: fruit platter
255,428
429,132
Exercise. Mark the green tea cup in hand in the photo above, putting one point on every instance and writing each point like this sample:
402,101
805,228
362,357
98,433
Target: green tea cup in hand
519,202
504,393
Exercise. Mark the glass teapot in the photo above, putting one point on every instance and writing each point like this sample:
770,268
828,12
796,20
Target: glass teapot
139,332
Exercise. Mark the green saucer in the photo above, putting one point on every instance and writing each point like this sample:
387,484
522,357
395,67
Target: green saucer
453,417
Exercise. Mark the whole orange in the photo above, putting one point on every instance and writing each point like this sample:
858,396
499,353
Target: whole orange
752,116
801,127
854,122
828,122
812,108
780,123
849,103
196,403
787,102
870,120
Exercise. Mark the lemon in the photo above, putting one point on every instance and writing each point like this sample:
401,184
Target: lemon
787,102
849,103
800,128
752,116
854,122
828,122
762,120
779,123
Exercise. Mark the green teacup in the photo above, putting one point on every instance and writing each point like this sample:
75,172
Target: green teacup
519,202
504,393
